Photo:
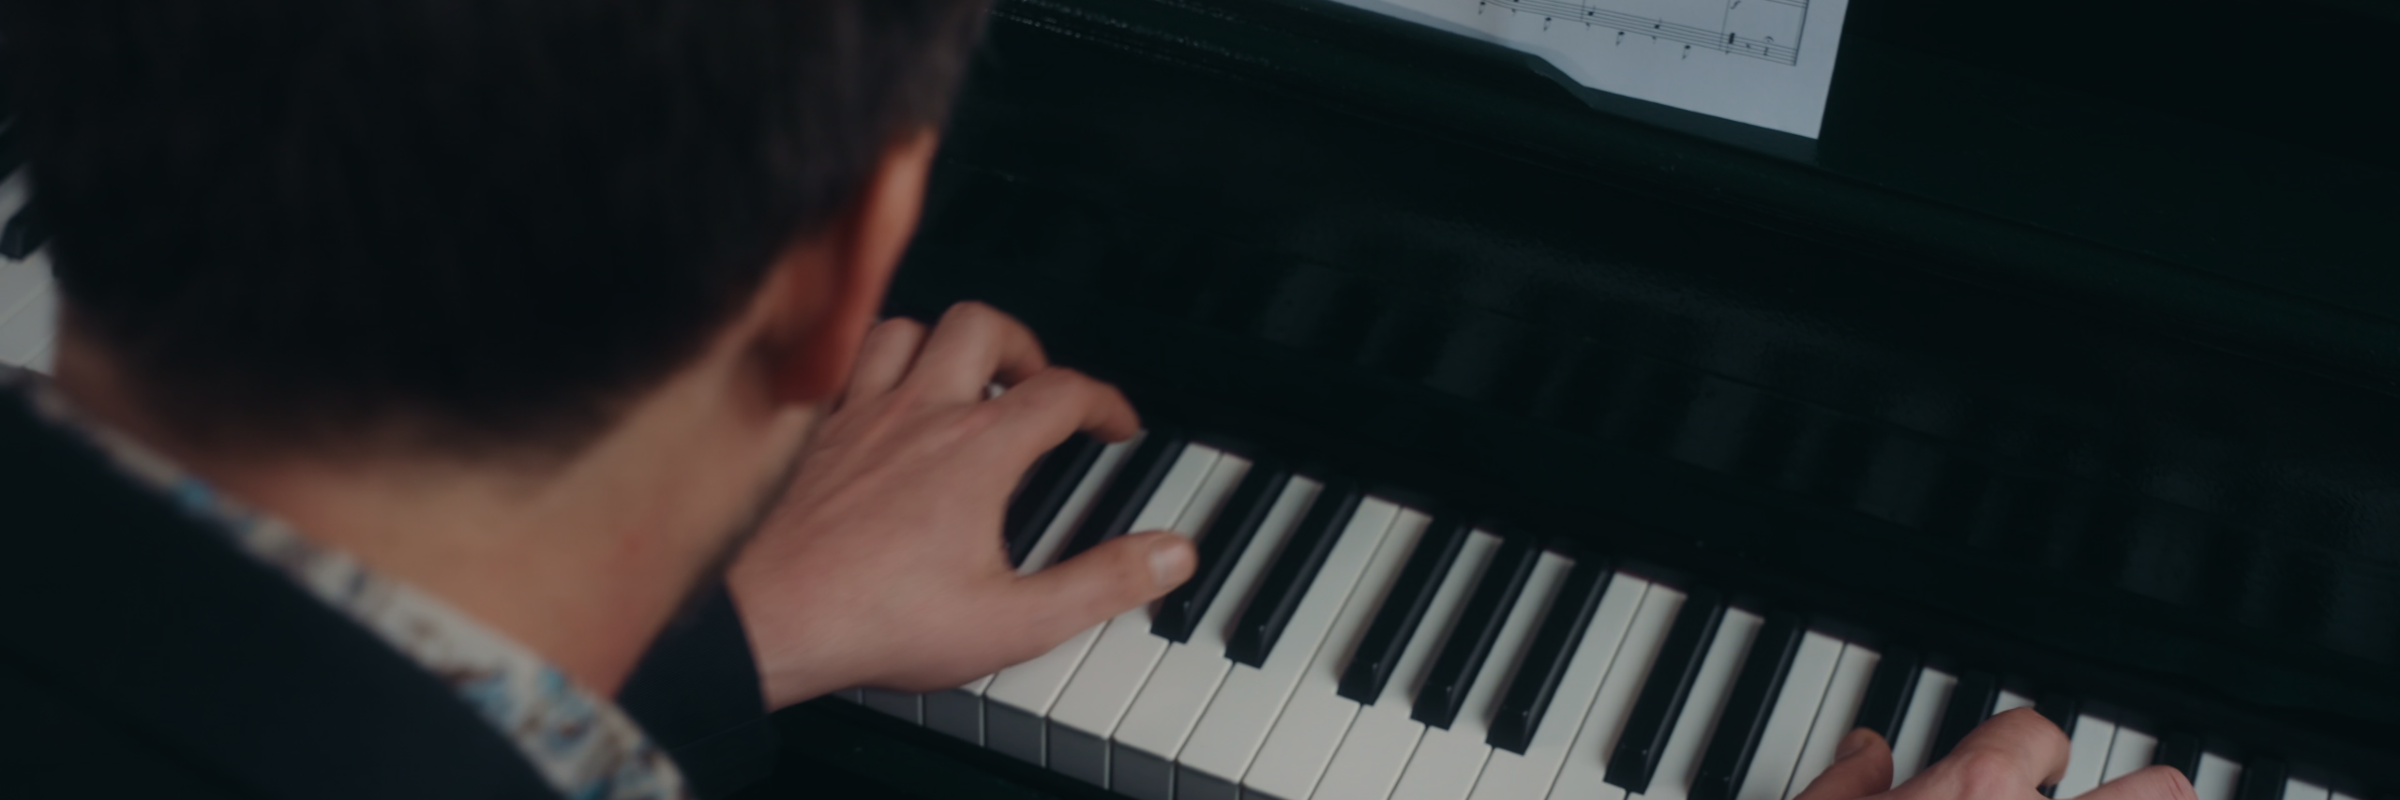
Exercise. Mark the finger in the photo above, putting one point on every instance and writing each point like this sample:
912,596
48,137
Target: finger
1103,582
2150,783
884,358
2007,756
973,347
1862,765
1042,411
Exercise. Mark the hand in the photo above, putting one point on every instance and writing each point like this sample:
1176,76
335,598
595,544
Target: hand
883,563
2009,757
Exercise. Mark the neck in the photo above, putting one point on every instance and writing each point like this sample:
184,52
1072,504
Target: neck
581,561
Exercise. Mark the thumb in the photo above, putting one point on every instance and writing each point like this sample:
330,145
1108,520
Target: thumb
1103,582
1862,765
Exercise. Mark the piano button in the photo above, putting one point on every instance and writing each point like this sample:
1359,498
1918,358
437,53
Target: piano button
1584,773
1547,659
1368,763
1303,739
1294,574
2087,756
1644,740
1018,702
1470,644
1046,492
2128,752
1970,704
1332,612
959,712
1113,513
2262,779
905,706
1104,684
1143,748
2297,789
1734,740
2217,778
1794,711
1227,539
2180,749
1447,760
1679,763
2062,710
1846,693
1371,667
2009,701
1526,774
1912,748
1889,693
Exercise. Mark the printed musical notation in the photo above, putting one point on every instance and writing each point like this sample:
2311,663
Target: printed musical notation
1763,62
1768,29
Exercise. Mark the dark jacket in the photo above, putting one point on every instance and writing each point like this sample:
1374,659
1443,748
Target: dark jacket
144,656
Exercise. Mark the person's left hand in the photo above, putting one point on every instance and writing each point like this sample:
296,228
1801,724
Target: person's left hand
883,565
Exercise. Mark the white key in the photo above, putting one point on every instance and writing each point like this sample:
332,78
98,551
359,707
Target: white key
21,281
43,362
1836,717
2010,701
1509,776
1447,762
2341,796
1104,684
1679,763
2217,778
1212,760
1304,738
1017,704
27,332
1919,725
1377,746
2087,755
959,712
1787,725
851,695
2297,789
1585,772
904,705
2128,752
1142,751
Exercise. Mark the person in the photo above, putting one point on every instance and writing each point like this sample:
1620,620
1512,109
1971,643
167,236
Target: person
487,398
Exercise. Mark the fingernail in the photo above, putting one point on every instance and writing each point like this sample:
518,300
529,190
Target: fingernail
1852,743
1170,562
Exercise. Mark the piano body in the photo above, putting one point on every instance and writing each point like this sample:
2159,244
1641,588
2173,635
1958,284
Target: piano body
1548,445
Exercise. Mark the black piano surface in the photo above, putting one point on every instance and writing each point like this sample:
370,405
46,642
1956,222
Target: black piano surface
2072,348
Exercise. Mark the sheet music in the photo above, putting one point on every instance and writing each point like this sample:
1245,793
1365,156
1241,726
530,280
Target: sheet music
1763,62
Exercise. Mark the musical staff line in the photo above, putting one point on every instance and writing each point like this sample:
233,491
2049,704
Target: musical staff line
1766,47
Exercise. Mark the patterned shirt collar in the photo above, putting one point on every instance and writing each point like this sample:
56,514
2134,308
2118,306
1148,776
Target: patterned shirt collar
583,744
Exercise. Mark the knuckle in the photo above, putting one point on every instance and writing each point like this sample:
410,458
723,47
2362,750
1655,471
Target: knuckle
1985,773
2170,784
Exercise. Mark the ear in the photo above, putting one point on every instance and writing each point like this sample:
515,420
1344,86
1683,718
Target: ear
842,272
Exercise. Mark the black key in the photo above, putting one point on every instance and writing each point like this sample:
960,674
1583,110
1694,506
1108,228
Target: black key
1889,691
1663,692
1045,492
1744,720
1127,491
2181,750
1285,583
1227,537
2061,709
2262,779
1470,644
1970,704
1529,691
24,233
1402,609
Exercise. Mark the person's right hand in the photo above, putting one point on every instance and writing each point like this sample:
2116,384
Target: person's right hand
2009,757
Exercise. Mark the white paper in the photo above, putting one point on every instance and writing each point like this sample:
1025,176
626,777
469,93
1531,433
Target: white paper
1762,62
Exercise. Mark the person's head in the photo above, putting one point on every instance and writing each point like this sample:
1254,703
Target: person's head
477,232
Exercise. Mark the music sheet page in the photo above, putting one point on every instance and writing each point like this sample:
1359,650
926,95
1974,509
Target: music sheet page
1763,62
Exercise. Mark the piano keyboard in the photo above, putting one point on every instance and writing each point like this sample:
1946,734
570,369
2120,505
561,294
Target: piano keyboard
1336,646
28,302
